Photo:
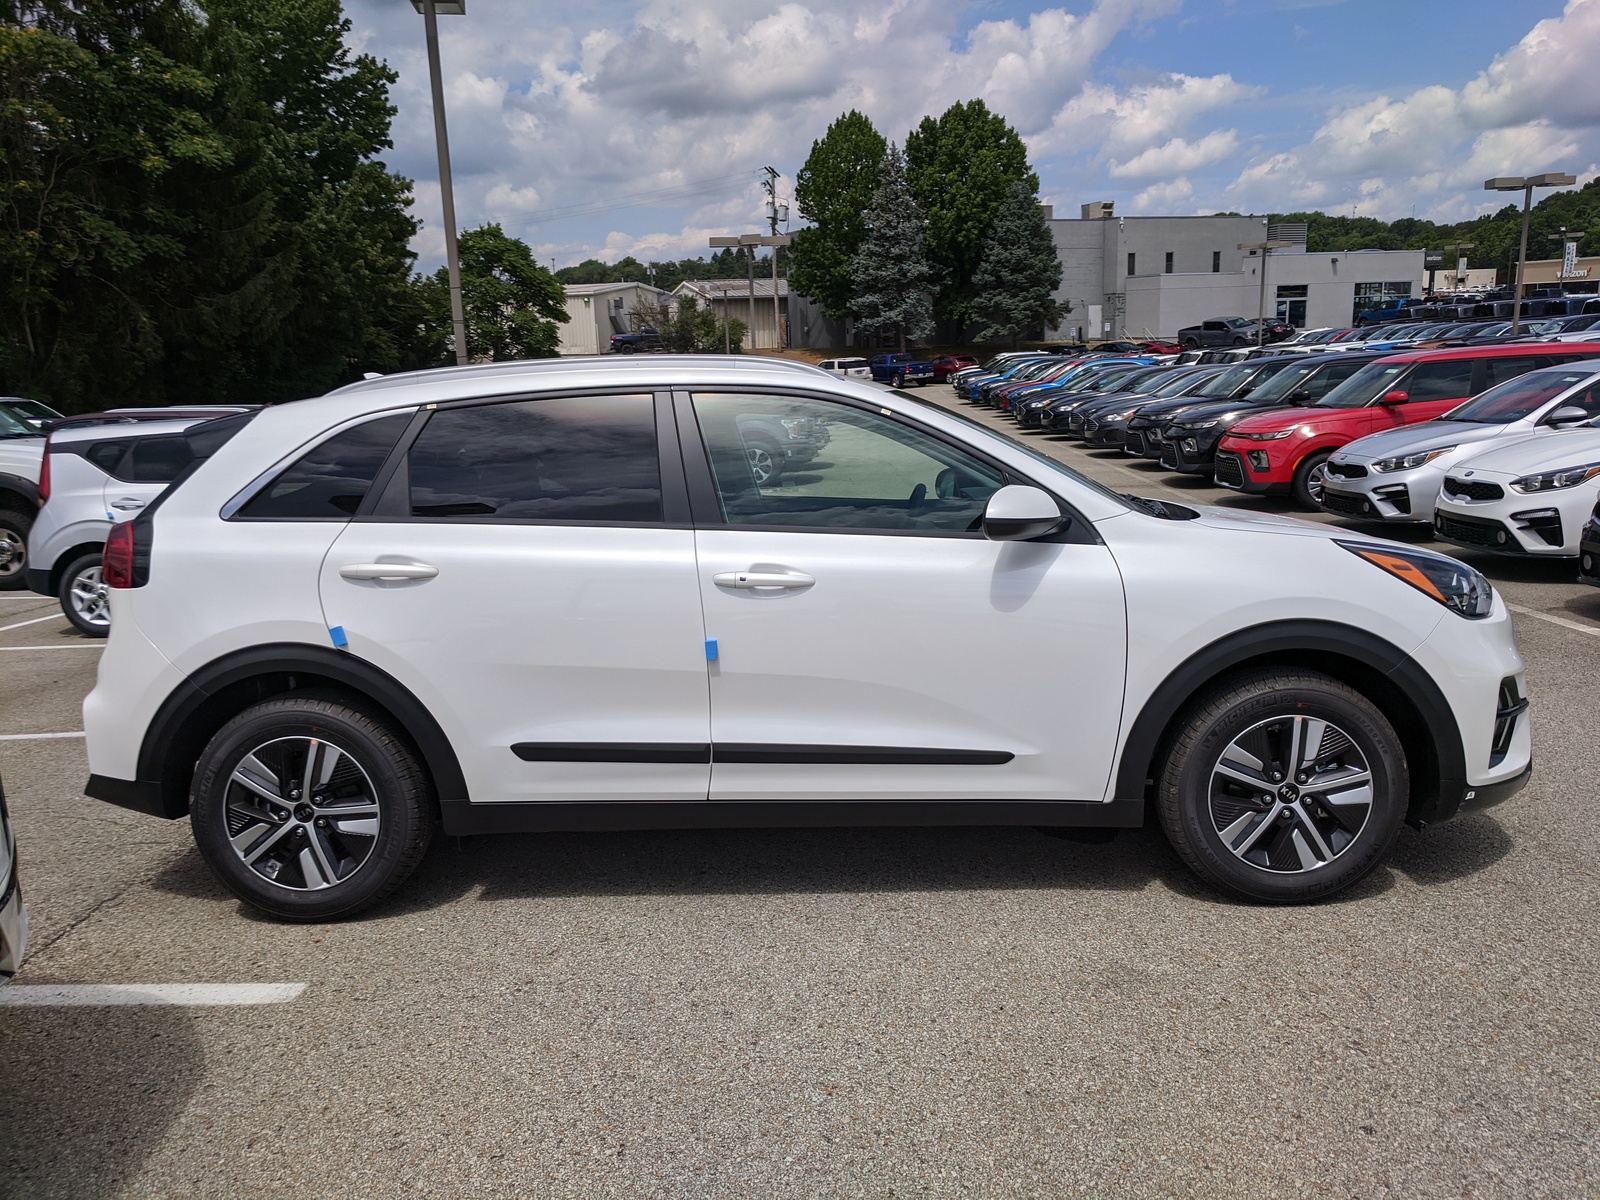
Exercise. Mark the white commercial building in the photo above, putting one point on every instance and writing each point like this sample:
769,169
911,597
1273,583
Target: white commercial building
597,310
1152,276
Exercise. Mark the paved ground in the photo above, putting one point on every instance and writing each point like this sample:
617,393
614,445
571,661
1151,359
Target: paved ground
880,1012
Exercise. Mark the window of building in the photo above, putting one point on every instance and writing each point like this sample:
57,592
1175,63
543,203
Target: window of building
1130,262
564,459
1169,262
1216,262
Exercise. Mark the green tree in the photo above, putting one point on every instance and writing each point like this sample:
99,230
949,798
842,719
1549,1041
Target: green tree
959,168
890,278
832,191
512,304
1019,269
191,203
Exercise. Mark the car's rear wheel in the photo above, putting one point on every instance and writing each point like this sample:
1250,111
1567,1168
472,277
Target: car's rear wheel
1283,785
1190,344
765,459
1311,477
14,528
83,596
310,809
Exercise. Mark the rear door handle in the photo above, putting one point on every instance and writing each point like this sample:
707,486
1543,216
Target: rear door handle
127,504
744,581
388,570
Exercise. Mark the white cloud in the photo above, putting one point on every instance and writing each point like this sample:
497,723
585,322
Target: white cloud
1164,197
1177,156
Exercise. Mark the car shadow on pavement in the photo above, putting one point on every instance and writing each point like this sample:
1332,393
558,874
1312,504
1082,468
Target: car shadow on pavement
86,1094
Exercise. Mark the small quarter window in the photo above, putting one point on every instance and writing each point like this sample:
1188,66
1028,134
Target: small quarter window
588,458
157,460
331,480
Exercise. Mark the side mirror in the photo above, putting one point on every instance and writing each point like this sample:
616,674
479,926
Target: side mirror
1395,397
1299,397
1017,512
1567,414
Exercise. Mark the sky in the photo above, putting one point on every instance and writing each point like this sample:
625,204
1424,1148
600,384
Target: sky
613,128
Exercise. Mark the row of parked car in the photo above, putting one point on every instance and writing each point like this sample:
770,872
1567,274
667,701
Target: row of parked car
1493,442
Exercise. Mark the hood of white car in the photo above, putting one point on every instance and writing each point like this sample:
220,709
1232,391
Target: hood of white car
1529,455
1414,439
1239,519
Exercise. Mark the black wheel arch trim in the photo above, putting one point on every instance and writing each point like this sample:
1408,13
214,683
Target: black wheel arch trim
171,746
25,488
1437,790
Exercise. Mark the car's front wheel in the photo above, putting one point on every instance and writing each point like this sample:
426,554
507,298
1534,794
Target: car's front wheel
1311,478
310,809
82,593
1283,785
14,528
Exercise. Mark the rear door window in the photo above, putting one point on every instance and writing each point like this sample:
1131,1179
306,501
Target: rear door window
591,458
157,460
1498,370
1439,381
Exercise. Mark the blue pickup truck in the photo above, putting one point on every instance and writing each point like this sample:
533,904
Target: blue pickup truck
901,370
1397,309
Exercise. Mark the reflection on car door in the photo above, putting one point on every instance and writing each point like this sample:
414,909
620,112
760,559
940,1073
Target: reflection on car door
520,577
872,643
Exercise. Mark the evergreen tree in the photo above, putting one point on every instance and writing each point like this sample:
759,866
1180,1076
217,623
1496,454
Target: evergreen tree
890,279
512,304
832,191
1019,270
959,168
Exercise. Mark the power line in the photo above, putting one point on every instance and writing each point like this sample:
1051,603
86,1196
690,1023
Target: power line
686,191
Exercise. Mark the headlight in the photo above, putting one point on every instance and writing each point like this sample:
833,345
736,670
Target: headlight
1268,437
1122,414
1200,425
1551,481
1406,461
1455,585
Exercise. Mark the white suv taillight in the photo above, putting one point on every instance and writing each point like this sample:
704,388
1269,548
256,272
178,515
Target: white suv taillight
116,561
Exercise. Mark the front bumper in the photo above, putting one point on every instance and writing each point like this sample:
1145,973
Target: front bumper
1401,497
1188,453
1523,526
1231,471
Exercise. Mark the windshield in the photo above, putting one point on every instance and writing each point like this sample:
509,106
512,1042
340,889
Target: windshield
1519,397
13,426
1149,381
1225,384
1365,386
1286,380
1108,380
1185,382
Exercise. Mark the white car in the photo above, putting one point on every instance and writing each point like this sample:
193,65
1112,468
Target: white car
100,469
553,595
21,452
847,368
1395,475
1528,497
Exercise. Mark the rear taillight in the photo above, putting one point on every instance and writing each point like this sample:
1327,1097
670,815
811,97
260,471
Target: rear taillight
44,475
116,561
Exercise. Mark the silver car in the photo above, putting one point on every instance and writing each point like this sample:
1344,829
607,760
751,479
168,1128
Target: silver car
1396,475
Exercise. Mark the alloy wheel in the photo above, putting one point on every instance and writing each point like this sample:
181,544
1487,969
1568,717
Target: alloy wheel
89,597
761,464
1290,794
13,552
1316,480
302,813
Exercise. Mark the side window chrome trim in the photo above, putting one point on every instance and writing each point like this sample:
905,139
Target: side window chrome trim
248,492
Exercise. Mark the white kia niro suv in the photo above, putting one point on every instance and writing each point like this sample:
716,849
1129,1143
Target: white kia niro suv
559,595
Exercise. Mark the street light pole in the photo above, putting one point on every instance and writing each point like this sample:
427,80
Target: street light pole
1266,248
1517,183
748,242
430,10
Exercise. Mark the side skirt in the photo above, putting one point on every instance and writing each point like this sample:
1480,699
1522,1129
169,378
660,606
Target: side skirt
463,817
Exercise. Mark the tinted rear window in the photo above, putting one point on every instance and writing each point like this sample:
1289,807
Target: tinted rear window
330,480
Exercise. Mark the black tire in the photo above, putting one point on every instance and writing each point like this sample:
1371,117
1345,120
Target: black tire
899,381
1308,479
392,787
626,348
1191,344
14,526
1239,341
82,596
1196,814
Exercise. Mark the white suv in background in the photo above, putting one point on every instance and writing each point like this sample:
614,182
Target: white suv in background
99,469
556,595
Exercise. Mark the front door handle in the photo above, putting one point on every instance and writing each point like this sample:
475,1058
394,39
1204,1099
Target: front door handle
389,570
127,504
744,581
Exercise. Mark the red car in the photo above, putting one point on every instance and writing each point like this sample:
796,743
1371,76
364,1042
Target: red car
1284,450
947,364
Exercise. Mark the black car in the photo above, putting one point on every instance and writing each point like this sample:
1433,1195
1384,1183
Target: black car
1184,380
1187,441
1589,550
1117,428
1029,413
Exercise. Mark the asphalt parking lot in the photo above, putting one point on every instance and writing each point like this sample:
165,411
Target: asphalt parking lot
945,1012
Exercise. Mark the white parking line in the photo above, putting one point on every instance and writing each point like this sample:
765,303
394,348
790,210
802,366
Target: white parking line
37,737
184,995
36,620
1592,630
20,649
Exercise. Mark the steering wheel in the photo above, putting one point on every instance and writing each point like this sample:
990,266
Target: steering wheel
919,496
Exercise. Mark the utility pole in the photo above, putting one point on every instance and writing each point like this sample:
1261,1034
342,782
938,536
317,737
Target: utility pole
748,242
1525,185
1266,248
447,196
771,186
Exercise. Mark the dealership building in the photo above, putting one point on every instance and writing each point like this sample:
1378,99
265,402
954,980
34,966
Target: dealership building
1152,276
